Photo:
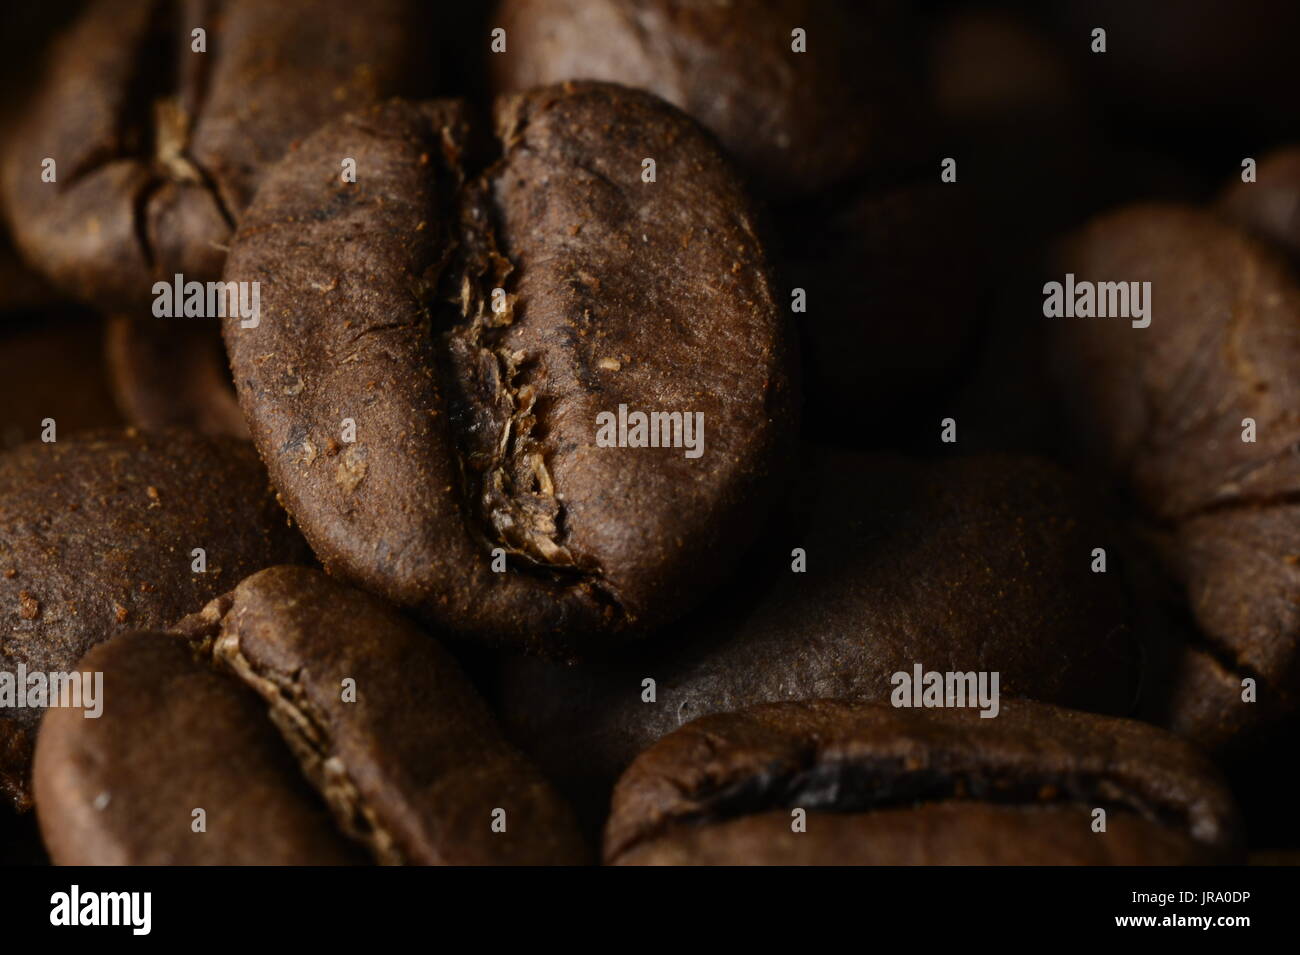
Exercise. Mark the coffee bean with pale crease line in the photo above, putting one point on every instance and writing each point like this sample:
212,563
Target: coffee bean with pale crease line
174,738
476,412
886,786
97,537
158,147
312,723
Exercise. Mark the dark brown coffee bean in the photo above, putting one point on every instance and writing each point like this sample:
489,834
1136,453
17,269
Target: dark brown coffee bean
476,414
52,367
980,564
797,121
1228,304
885,786
991,70
175,737
158,147
1197,413
402,756
1269,206
97,537
172,375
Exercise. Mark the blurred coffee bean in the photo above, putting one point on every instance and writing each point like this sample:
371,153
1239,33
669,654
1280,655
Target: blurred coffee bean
172,373
980,564
1196,414
159,146
1269,206
990,70
21,289
886,786
798,120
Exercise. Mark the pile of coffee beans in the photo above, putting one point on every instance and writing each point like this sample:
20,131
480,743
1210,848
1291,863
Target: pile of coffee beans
648,432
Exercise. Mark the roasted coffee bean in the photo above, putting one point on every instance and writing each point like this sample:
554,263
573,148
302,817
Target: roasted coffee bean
52,369
980,564
1269,206
439,353
172,375
885,786
158,147
97,536
1197,414
797,121
178,745
990,70
26,31
291,683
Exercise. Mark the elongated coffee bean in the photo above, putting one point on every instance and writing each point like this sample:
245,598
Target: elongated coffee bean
181,768
884,786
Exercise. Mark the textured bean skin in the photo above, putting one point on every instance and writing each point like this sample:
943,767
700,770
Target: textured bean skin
476,428
96,535
247,709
